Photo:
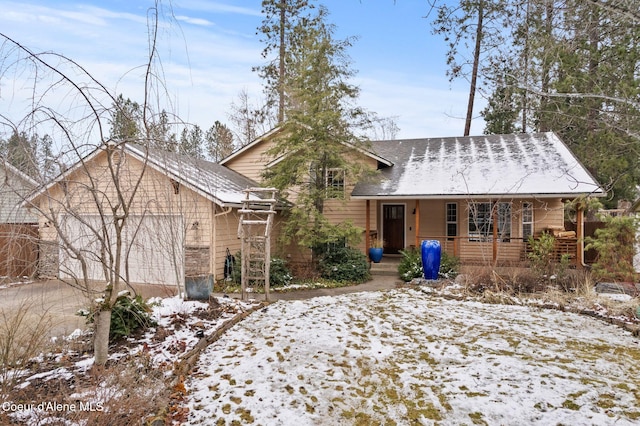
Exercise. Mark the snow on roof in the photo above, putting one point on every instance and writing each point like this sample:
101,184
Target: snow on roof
18,173
517,165
214,181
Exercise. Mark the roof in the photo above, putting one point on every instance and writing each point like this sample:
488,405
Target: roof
213,181
515,165
18,173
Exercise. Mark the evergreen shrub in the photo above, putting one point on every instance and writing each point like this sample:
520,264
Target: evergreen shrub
344,264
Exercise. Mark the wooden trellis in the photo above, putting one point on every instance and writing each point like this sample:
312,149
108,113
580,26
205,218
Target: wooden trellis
254,230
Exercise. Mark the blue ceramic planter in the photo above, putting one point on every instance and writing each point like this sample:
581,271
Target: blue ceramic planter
375,254
431,252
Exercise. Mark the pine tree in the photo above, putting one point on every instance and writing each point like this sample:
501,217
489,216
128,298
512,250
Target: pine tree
283,27
219,141
318,132
126,117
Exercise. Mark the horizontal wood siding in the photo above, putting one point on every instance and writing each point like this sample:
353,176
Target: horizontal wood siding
13,191
226,237
252,162
155,196
546,214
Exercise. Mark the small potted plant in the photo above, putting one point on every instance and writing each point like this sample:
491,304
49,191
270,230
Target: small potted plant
376,250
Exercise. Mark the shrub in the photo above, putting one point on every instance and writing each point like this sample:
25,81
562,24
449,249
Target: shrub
543,260
449,266
128,314
615,245
410,266
279,273
344,264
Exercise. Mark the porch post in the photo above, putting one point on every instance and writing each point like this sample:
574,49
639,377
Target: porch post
367,237
494,219
580,236
417,224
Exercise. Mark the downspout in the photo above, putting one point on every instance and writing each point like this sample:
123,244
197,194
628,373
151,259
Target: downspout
212,237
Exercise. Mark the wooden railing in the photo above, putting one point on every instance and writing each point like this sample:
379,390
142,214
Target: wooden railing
511,250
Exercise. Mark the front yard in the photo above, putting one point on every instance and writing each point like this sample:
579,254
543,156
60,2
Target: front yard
406,357
411,355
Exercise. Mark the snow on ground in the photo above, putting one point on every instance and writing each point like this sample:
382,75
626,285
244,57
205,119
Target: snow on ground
405,357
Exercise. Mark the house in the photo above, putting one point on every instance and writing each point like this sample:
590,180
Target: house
182,219
481,197
18,227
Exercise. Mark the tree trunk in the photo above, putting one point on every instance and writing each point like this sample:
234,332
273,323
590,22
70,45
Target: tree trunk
546,72
282,52
474,72
101,336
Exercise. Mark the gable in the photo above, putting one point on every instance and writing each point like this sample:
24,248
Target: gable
521,165
14,187
253,159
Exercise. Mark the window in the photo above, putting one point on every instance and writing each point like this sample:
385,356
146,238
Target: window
452,220
527,220
481,221
335,183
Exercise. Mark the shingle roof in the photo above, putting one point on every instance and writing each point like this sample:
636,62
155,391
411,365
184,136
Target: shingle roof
516,165
214,181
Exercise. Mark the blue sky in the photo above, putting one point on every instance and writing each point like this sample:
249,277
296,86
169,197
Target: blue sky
208,54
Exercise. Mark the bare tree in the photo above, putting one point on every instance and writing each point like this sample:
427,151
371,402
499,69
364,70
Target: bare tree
99,193
248,120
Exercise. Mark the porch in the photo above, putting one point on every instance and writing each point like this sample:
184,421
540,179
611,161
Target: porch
502,238
513,251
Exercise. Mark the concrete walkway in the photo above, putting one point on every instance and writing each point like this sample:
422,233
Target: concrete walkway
377,283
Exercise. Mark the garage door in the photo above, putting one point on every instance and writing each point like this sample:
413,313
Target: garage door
153,249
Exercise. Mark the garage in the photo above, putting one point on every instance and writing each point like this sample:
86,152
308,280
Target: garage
153,248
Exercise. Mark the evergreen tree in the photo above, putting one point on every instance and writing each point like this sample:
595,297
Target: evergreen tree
219,141
126,117
192,142
283,27
21,152
571,67
318,133
473,31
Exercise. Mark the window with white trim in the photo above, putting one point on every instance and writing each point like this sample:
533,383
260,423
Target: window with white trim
451,224
481,221
527,220
335,183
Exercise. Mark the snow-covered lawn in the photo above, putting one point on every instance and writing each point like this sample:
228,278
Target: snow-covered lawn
406,357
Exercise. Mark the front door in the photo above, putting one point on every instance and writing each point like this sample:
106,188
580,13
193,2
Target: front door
393,227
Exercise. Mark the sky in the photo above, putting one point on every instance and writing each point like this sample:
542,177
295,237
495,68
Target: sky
207,50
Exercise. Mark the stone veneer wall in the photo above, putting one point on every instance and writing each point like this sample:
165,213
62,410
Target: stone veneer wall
49,260
196,261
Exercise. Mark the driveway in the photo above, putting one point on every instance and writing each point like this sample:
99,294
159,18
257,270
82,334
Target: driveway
59,302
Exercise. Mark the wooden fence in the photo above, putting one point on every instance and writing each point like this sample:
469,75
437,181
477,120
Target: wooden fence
18,250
